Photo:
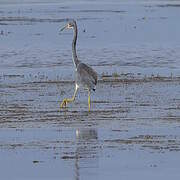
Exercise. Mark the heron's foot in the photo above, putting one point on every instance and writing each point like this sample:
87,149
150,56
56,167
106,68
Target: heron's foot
64,103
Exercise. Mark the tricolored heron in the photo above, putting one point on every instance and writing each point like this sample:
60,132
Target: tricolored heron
85,76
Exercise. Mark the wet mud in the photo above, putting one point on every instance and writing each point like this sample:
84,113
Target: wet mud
132,130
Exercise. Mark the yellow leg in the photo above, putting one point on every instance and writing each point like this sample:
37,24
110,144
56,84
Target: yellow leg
67,100
89,100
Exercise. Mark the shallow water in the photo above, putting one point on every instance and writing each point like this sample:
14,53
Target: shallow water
132,130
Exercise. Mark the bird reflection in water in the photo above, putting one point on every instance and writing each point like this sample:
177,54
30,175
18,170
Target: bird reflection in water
86,152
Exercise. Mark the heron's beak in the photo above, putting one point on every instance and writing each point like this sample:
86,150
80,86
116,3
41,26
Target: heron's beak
63,28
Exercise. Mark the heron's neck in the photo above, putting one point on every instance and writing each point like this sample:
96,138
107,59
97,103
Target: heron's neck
75,58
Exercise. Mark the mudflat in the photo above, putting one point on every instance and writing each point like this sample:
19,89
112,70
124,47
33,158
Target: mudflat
133,129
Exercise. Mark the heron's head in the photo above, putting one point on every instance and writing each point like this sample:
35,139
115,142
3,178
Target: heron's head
69,25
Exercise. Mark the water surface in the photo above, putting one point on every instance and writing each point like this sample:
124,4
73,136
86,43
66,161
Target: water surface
132,130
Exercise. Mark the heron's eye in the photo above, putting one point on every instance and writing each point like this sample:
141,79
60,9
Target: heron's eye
69,26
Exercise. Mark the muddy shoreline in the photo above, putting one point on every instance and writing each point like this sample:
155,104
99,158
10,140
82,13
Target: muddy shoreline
132,130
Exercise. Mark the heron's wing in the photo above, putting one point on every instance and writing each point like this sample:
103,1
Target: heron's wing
87,75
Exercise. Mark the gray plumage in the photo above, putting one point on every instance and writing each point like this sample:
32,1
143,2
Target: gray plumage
86,76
